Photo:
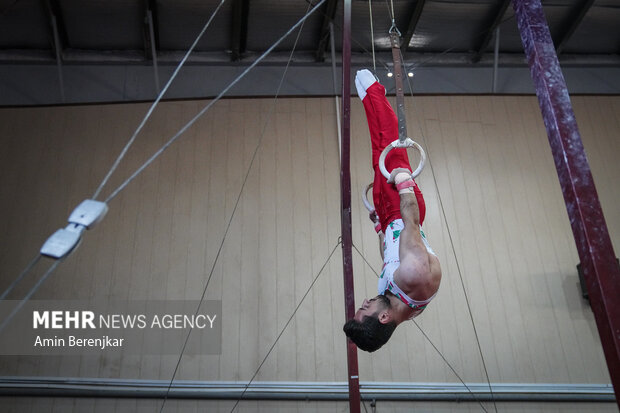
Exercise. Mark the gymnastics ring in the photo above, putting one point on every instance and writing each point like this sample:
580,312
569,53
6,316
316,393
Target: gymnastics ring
369,207
407,143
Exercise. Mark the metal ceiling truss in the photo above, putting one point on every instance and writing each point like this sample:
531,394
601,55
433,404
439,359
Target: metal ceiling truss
496,20
59,39
151,38
572,22
413,22
239,30
54,12
328,16
151,30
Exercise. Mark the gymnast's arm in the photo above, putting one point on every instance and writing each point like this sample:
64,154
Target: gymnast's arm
375,220
412,252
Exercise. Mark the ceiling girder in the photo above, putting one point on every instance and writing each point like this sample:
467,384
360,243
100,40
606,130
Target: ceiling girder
328,16
413,22
573,21
151,34
494,22
59,33
239,28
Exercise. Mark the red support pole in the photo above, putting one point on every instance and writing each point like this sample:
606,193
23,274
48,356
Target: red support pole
594,246
345,198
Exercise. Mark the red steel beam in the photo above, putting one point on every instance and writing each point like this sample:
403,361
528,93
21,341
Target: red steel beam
594,246
345,199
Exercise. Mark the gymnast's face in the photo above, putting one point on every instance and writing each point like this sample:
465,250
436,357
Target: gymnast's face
372,307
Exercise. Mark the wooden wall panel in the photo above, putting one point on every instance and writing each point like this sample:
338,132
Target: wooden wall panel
495,217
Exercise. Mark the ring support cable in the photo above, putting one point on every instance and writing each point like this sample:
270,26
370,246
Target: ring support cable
403,140
156,102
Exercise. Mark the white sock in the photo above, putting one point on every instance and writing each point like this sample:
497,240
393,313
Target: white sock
363,80
361,92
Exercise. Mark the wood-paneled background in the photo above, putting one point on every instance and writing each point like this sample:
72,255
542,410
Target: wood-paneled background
495,217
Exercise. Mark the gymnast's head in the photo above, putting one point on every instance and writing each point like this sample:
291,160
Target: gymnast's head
373,324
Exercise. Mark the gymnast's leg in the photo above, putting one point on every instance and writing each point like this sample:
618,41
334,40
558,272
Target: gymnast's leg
383,126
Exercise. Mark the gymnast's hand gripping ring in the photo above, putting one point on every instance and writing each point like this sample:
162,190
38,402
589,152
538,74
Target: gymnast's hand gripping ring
407,143
367,204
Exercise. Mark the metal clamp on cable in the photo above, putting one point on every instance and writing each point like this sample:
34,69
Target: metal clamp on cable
408,143
394,29
65,240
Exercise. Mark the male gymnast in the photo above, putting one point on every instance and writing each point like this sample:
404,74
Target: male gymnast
411,272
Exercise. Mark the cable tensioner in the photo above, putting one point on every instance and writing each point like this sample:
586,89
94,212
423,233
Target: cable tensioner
84,216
